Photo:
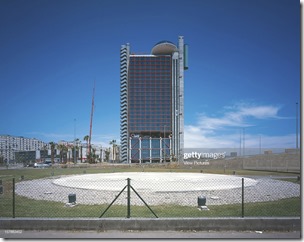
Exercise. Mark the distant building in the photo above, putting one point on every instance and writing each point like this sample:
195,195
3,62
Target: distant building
152,103
25,157
11,144
292,151
27,150
233,154
267,152
81,151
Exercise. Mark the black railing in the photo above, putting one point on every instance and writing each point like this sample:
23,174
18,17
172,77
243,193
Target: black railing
129,187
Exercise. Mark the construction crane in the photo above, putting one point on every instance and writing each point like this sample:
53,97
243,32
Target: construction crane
91,121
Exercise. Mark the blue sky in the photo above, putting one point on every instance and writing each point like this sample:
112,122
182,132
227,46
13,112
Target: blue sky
244,66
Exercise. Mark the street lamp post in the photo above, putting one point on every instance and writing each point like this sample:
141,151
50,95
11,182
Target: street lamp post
75,160
297,126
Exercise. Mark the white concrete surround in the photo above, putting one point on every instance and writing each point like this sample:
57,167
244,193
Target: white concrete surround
157,188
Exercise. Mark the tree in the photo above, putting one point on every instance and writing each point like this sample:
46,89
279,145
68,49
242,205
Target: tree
101,154
86,138
107,154
76,150
52,144
113,143
63,150
81,156
69,151
93,155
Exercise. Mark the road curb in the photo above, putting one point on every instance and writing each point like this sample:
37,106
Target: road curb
153,224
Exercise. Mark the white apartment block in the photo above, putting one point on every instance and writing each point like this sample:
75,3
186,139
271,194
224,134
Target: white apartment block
10,144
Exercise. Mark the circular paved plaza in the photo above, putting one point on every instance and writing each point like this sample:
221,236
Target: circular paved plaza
154,181
157,188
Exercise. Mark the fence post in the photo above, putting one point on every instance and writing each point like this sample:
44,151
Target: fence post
13,197
128,197
242,197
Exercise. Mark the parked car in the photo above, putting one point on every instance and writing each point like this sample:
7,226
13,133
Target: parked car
41,165
48,163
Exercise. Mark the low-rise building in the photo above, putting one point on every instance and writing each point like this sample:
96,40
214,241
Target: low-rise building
9,145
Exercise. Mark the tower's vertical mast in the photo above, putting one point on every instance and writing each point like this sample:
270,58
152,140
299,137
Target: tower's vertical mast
180,94
91,121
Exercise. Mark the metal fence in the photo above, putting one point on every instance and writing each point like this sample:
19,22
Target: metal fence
150,194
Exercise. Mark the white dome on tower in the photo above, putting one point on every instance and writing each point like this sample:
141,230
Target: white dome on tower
164,48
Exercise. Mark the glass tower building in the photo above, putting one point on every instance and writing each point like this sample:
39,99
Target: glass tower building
152,103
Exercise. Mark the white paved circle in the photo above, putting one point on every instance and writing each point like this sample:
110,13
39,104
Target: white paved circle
156,188
154,181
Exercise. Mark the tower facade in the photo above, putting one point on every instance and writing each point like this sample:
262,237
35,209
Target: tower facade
152,103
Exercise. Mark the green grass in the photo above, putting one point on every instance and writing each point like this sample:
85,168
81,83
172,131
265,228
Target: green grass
26,207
